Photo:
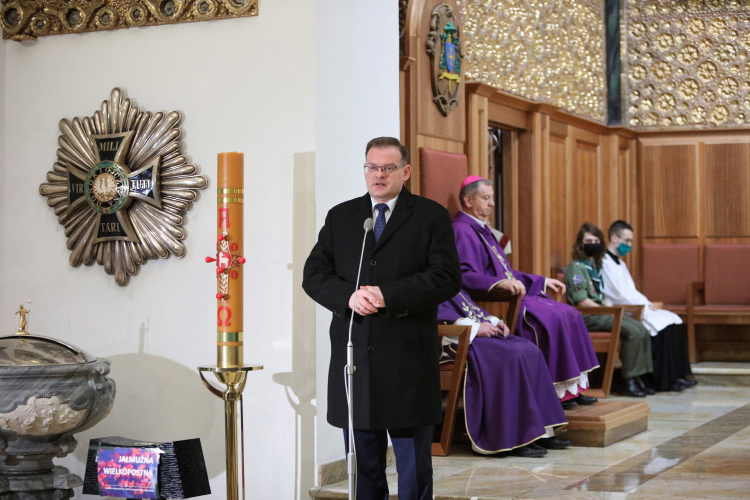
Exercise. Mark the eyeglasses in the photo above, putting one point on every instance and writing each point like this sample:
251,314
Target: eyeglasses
387,169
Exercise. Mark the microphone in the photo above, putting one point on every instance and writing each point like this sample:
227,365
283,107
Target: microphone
367,226
351,459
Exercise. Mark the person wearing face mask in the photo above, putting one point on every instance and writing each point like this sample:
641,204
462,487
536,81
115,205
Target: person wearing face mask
668,340
585,287
555,328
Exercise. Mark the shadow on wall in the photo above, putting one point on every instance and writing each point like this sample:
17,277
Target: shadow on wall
299,384
159,399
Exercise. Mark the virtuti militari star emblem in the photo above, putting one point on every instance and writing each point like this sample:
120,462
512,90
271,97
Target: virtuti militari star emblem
444,48
120,185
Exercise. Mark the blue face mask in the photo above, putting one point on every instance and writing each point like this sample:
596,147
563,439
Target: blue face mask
623,249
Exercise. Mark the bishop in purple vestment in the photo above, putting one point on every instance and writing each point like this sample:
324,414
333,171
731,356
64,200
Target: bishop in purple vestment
556,328
510,402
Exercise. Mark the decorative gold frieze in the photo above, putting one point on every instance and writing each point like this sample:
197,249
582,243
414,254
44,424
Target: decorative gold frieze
687,63
551,52
29,19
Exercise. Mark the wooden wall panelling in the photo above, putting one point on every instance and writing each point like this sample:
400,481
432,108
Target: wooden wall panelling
533,188
422,121
670,191
632,210
524,195
585,190
408,91
430,120
727,192
542,260
511,210
506,115
559,254
477,146
608,181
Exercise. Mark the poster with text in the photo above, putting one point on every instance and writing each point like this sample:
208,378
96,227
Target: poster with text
128,472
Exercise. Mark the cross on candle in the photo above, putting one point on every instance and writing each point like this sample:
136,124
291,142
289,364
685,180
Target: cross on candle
225,260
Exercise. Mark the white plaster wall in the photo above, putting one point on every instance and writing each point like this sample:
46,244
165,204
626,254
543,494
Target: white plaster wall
303,76
357,99
245,85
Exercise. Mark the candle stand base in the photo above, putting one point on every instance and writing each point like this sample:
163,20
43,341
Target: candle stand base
234,378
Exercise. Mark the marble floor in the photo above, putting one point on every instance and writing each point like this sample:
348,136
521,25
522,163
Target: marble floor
697,446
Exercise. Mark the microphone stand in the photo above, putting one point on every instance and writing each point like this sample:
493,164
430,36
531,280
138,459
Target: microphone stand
351,457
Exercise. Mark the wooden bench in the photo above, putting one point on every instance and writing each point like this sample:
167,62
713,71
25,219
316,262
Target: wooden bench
668,271
724,295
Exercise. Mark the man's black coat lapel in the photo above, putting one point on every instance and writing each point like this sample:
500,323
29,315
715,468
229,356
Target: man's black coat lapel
364,212
401,212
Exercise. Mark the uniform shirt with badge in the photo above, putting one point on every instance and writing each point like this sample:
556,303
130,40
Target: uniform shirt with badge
583,280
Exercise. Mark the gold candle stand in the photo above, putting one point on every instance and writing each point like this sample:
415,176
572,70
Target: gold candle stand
230,369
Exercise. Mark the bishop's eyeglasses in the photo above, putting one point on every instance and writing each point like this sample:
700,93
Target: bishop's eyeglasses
386,169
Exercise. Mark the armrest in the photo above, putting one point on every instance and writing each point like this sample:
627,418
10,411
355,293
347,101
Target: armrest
691,289
658,305
637,311
600,311
494,295
501,296
463,332
453,330
616,311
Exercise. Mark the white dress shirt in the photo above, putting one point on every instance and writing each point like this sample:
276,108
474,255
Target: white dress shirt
391,204
620,289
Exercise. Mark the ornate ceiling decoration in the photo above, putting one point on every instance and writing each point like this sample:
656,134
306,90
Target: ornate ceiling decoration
551,52
29,19
120,185
687,63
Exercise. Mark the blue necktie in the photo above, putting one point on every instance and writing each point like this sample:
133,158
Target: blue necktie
380,222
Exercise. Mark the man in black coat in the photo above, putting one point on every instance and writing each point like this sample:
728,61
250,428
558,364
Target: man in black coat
410,266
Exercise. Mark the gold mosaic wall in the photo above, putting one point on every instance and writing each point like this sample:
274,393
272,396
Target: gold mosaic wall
687,63
551,52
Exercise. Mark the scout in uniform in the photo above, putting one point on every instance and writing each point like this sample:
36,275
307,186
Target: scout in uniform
585,287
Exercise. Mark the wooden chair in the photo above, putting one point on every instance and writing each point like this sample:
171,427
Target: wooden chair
440,175
451,381
604,342
452,375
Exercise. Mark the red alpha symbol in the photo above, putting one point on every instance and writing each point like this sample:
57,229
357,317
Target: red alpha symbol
223,217
226,320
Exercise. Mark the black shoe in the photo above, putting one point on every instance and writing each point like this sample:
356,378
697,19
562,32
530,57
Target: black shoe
585,400
648,390
676,387
629,387
569,404
528,451
553,443
687,383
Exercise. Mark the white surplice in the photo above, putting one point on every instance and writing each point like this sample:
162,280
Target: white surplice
620,289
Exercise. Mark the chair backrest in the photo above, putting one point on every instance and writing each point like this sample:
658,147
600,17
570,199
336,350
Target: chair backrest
440,177
666,270
727,274
560,276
